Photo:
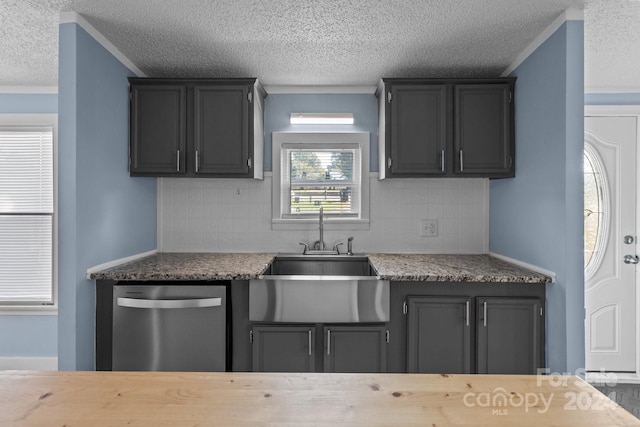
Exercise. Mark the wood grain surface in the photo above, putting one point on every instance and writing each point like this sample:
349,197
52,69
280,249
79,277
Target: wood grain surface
265,399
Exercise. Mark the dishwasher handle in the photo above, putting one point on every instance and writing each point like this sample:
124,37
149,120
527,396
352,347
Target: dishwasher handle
168,303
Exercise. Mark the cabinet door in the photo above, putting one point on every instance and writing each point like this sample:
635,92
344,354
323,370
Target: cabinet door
418,130
283,348
355,349
509,335
221,129
439,335
482,130
157,130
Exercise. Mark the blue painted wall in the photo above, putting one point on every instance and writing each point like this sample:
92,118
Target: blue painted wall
612,99
103,213
28,336
28,103
537,217
278,109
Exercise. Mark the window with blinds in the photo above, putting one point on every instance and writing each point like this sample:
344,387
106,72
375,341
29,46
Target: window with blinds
315,176
26,215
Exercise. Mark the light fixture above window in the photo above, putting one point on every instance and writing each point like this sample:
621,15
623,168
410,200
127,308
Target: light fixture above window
321,118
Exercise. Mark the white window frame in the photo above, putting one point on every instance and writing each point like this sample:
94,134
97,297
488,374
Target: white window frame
280,220
39,120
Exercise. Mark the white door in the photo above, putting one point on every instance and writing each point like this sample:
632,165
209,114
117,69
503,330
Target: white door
610,242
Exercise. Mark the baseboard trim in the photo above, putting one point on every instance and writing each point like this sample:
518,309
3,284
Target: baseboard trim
29,363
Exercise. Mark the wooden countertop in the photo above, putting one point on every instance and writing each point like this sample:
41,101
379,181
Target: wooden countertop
261,399
394,267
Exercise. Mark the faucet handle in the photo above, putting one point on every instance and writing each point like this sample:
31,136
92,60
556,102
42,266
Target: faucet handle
336,249
350,245
306,247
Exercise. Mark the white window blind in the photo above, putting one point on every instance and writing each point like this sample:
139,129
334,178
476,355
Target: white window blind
326,176
26,215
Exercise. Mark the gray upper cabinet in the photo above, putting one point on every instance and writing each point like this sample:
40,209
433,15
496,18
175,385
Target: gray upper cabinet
482,130
446,127
196,127
221,129
419,132
158,129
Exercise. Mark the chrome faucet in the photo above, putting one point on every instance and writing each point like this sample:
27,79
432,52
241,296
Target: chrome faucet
319,245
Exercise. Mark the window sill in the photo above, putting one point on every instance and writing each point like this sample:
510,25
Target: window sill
312,224
28,310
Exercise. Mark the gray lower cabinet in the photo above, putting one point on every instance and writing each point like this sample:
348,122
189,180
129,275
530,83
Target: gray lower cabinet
283,348
355,349
439,335
509,335
484,335
319,348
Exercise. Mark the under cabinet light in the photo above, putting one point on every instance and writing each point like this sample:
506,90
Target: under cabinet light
321,118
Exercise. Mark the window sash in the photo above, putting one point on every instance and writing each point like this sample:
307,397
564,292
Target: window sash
26,215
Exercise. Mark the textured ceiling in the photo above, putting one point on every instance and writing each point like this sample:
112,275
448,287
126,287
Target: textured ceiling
319,42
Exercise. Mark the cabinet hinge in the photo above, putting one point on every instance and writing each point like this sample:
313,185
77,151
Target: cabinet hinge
389,163
251,337
541,311
510,162
249,162
510,96
389,96
386,335
250,97
405,309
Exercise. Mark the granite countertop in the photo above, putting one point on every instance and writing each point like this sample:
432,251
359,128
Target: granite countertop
451,268
190,266
394,267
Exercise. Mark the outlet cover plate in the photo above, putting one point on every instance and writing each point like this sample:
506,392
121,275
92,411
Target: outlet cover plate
429,228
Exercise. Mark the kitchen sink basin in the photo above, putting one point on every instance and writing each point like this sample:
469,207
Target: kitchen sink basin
321,265
319,289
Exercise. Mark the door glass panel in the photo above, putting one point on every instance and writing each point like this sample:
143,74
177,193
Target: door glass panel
595,212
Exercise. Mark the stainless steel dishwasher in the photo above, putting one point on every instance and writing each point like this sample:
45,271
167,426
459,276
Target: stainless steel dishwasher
170,328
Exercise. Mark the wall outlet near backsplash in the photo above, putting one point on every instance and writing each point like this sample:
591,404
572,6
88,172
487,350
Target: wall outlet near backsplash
429,228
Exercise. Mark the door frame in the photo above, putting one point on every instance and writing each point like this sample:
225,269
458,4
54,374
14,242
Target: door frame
621,111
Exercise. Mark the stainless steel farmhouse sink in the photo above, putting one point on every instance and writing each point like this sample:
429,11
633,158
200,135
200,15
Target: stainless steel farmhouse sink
319,289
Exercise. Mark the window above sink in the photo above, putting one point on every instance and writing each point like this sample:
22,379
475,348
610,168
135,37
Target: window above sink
318,169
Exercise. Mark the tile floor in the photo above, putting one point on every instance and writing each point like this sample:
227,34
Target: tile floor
626,395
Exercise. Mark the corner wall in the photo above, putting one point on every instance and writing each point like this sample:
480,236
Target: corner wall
537,217
103,213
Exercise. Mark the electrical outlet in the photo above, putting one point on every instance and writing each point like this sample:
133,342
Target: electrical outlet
429,228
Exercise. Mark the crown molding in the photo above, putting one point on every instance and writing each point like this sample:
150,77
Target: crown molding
567,15
76,18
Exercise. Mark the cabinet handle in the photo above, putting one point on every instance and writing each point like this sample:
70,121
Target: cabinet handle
309,335
197,162
442,161
461,161
484,309
178,160
467,311
328,342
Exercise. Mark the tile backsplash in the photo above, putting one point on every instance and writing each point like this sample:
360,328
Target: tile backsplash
234,215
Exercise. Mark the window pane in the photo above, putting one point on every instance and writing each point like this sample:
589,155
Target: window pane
25,258
323,178
593,208
26,171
